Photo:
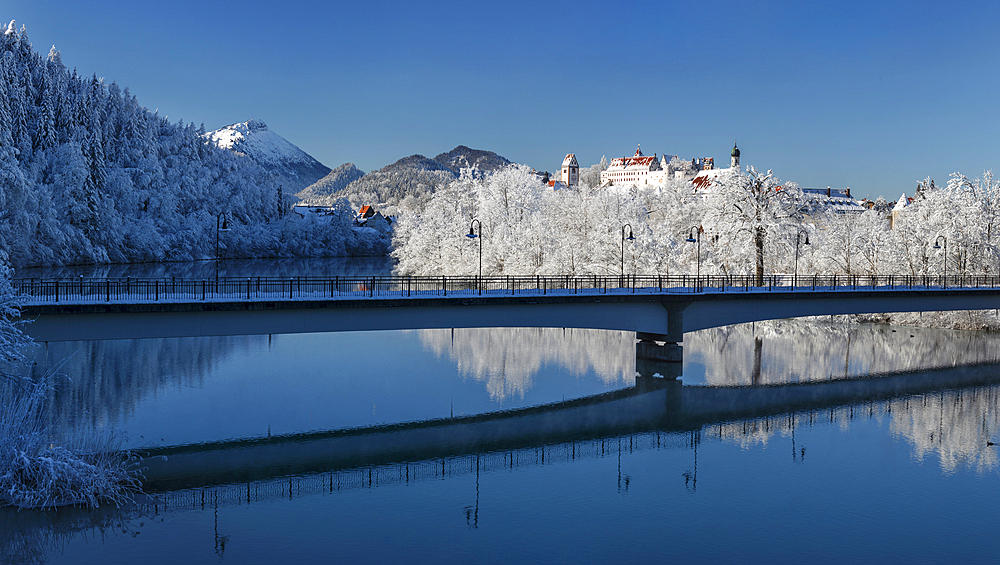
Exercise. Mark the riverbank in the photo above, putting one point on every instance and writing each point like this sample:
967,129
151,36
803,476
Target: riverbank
974,320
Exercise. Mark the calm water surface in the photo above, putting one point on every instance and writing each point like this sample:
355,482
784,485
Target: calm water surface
905,478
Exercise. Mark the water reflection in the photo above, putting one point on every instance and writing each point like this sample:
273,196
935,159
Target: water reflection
506,360
947,418
107,381
957,427
788,351
102,382
29,537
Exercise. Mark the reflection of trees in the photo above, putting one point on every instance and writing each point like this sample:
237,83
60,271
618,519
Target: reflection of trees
30,536
954,424
506,359
796,350
105,380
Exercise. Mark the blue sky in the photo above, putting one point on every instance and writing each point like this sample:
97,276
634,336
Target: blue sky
870,95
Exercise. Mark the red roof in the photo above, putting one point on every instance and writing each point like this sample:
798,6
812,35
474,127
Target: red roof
630,161
701,181
366,212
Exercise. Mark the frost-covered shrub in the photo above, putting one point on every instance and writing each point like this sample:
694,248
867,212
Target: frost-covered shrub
38,472
38,469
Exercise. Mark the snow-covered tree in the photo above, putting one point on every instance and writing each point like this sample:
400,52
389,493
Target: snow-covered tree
745,210
89,175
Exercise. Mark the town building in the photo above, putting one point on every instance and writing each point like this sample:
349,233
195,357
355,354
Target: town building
642,170
837,200
570,173
637,170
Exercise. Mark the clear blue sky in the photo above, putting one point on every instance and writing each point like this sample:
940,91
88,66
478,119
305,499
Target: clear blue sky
871,95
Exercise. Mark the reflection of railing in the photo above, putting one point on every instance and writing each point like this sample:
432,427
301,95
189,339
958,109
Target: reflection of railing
653,405
407,472
84,290
745,429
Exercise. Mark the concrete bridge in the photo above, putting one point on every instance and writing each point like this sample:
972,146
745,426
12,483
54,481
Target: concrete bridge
656,308
652,405
664,312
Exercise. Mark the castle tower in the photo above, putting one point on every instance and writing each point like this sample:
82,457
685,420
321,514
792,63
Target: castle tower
570,171
735,162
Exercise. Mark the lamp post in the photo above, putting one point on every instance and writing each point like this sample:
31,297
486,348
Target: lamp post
630,238
472,234
221,225
944,258
798,238
695,237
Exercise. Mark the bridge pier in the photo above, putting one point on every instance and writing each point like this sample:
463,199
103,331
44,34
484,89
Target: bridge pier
652,358
667,359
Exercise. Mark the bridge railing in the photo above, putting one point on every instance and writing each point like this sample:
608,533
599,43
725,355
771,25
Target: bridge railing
94,290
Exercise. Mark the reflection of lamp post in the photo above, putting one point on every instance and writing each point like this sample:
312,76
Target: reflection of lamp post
795,274
944,258
221,225
695,237
473,234
630,238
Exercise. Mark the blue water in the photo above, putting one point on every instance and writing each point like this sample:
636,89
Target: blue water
902,480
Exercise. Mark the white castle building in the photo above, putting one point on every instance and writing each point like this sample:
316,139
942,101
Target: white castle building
642,170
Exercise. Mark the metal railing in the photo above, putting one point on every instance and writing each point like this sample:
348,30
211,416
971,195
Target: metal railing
127,290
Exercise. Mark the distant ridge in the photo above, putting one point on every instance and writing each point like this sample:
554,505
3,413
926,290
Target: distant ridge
406,182
335,181
463,157
295,168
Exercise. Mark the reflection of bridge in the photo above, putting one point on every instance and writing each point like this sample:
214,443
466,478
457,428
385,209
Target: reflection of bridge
653,405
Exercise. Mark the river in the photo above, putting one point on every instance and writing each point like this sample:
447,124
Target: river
908,477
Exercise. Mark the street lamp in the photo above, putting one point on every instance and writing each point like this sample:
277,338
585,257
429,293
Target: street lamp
944,258
221,225
798,238
472,234
695,237
630,238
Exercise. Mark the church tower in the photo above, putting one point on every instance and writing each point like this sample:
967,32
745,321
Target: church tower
735,162
570,171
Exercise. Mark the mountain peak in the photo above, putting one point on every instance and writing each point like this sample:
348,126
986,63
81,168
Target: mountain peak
253,139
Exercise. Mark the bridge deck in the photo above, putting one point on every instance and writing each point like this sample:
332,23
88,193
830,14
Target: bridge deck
663,311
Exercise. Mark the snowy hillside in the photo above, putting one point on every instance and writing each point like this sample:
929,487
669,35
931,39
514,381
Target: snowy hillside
334,182
253,139
409,182
89,175
463,157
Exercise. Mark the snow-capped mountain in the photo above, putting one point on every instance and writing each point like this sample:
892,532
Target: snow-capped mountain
296,168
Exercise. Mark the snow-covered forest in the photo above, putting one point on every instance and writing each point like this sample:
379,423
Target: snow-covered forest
745,224
89,175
